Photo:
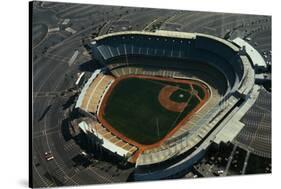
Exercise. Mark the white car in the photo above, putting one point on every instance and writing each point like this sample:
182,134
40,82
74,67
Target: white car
84,153
49,156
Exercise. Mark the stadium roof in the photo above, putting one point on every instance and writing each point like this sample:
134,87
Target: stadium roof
157,33
172,34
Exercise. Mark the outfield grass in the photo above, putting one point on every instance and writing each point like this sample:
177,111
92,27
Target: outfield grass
133,109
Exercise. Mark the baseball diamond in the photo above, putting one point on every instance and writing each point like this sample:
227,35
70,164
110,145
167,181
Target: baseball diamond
136,100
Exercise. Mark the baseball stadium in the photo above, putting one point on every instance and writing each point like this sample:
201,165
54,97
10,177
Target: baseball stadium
162,97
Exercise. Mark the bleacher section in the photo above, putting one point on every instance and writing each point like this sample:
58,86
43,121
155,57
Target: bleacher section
109,141
94,93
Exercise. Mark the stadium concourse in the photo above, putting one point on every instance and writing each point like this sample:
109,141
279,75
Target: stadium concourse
226,69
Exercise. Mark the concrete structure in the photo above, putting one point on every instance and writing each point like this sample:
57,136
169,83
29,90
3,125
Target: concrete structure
255,57
223,65
106,140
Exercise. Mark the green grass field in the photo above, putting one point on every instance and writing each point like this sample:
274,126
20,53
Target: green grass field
133,109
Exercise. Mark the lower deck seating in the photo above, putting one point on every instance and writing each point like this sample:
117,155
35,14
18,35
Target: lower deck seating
95,92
